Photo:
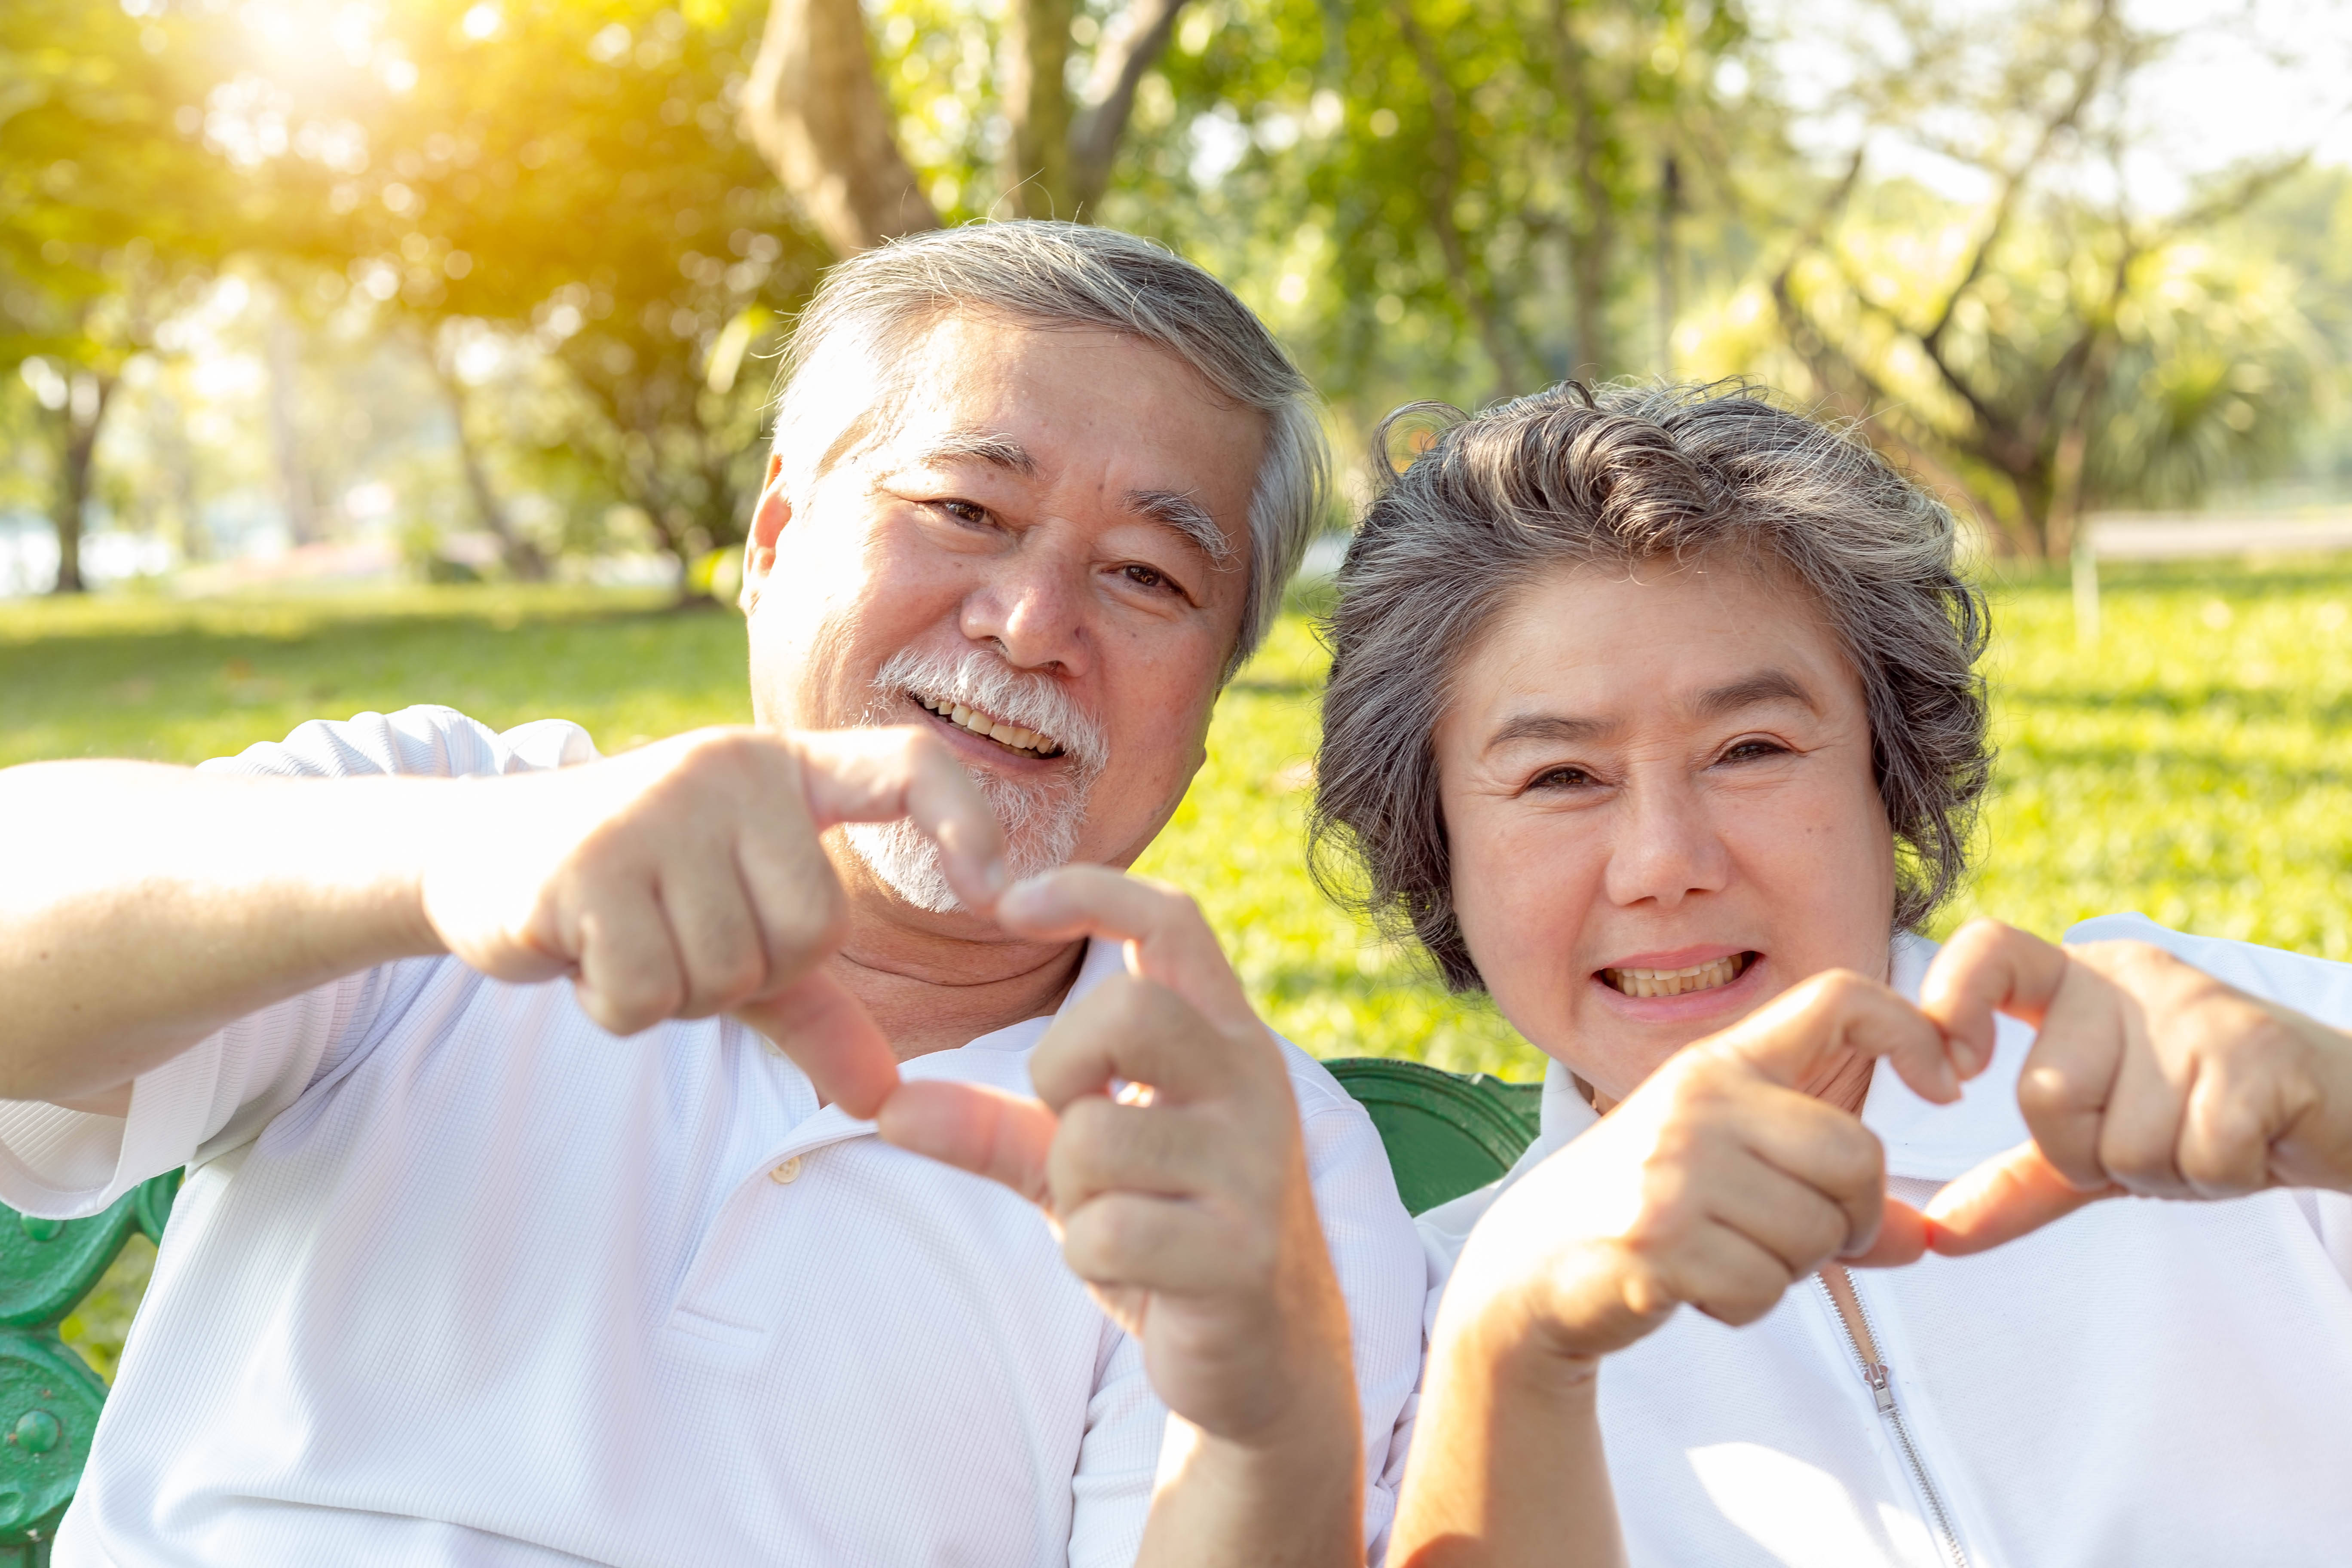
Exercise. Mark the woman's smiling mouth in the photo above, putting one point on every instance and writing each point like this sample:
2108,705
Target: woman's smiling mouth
1632,982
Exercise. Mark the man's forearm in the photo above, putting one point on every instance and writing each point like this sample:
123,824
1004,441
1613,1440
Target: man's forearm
142,907
1293,1501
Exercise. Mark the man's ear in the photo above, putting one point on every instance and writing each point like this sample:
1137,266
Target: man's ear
768,520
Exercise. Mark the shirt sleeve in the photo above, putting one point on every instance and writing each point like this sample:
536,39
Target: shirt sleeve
220,1092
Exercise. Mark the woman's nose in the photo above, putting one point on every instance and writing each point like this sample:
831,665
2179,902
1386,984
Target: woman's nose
1667,849
1032,608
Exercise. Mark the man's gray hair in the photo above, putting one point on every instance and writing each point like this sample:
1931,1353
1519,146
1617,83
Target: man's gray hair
873,307
1613,477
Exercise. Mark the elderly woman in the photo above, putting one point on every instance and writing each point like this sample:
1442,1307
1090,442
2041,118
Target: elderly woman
1654,712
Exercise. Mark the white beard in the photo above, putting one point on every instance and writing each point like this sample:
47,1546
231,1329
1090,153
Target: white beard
1041,820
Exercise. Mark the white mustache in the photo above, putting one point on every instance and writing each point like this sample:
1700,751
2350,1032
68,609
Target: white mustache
982,680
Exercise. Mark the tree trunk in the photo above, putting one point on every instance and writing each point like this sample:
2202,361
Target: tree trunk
1591,229
521,556
1138,37
294,486
84,411
1037,99
1670,200
816,113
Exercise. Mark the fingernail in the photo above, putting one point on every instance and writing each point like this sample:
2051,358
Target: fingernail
1020,899
995,876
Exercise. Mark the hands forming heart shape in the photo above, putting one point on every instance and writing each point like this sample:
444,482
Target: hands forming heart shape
2147,1076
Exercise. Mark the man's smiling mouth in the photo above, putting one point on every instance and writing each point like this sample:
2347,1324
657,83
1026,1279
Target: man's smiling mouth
1678,982
1011,737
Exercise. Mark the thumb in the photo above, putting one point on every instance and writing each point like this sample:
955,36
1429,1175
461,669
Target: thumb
1004,1137
830,1036
2008,1196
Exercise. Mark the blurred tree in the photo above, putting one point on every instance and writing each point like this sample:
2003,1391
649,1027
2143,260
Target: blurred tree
1452,198
621,224
110,211
2055,347
833,133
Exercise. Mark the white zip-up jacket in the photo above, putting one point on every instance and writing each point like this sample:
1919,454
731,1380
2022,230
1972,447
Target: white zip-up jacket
2142,1383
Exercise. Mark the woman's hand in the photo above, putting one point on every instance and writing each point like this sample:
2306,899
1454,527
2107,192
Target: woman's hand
1718,1183
2147,1077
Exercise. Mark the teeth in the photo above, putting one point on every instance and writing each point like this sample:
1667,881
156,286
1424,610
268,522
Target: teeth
1004,734
1676,982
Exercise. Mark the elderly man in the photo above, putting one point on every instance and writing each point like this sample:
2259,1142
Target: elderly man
460,1277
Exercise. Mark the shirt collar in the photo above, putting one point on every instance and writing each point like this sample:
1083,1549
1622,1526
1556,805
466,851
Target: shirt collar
999,1059
1924,1140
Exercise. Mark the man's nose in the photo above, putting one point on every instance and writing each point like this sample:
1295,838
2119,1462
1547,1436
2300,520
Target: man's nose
1667,848
1032,607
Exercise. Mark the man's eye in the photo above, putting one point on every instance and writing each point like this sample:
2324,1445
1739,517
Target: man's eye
970,513
1146,577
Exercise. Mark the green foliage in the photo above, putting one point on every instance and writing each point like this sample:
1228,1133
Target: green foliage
573,174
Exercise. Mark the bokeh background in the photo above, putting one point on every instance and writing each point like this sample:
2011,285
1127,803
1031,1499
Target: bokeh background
363,352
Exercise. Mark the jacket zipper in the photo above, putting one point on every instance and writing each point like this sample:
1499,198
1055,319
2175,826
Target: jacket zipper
1882,1390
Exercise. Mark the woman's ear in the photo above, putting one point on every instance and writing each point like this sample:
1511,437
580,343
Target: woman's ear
768,520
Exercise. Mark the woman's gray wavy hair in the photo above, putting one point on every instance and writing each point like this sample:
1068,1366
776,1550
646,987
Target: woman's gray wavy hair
841,385
1613,476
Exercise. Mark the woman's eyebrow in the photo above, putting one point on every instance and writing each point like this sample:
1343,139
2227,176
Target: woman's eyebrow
1558,728
1764,687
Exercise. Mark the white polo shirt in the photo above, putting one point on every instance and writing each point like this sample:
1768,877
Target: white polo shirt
460,1281
2142,1383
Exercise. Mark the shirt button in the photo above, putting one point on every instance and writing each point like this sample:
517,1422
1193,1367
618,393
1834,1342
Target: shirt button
788,1173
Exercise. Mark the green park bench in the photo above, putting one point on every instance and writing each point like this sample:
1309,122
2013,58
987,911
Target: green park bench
1445,1135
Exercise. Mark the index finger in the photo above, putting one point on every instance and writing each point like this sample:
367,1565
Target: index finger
1168,938
1988,968
882,775
1804,1030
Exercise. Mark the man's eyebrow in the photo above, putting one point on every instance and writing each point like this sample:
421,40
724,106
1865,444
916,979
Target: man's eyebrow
1764,687
1187,517
973,446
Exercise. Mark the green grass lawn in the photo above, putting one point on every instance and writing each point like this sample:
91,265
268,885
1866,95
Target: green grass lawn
2196,766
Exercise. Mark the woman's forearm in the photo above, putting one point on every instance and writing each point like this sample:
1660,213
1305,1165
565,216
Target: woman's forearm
1294,1499
142,907
1506,1465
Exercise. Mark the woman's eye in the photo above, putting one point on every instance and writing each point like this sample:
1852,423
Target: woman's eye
1560,778
1748,751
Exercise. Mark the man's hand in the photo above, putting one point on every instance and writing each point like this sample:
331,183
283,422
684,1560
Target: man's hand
2147,1077
688,878
1718,1183
1165,1145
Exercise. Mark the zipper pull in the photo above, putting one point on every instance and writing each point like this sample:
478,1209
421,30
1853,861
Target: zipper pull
1874,1375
